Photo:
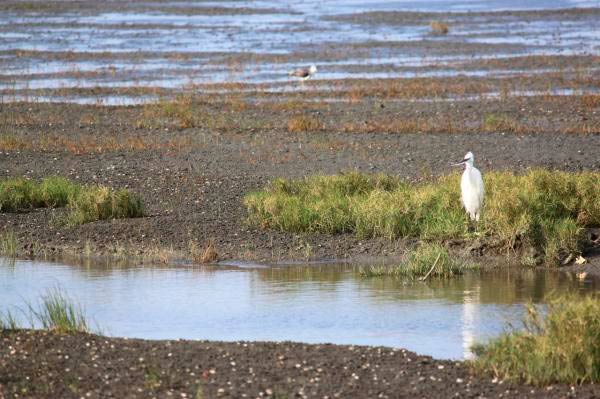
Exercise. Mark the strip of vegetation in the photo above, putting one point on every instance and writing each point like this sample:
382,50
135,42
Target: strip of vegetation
55,312
8,321
9,244
427,260
546,210
52,192
304,123
563,347
87,203
438,27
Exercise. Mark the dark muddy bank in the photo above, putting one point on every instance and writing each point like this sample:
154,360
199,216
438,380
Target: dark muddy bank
39,364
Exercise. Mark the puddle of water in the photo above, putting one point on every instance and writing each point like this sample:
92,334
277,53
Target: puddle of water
307,303
124,100
108,100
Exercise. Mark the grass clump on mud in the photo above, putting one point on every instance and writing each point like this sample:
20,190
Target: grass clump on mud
57,312
100,203
86,203
20,194
9,244
54,312
501,123
562,347
304,123
8,321
427,260
542,209
439,27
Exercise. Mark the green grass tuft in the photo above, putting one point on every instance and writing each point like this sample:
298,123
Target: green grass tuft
21,194
562,348
87,203
439,27
100,203
57,312
427,260
541,209
9,245
8,321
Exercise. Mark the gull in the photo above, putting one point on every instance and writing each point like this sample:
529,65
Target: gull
304,73
471,188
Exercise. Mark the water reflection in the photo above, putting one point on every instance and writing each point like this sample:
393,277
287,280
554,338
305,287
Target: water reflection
309,303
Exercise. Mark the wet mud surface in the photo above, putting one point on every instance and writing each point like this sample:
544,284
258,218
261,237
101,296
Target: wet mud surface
192,179
48,365
60,47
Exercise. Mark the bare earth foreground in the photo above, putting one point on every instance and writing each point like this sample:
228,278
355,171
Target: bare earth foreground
36,364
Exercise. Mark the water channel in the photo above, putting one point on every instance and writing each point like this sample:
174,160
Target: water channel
309,303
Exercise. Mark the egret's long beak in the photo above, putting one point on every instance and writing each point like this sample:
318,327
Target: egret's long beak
461,162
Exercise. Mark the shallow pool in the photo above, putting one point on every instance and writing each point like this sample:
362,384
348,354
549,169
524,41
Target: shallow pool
308,303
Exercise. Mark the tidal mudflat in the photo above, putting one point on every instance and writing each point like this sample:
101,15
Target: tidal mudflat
189,107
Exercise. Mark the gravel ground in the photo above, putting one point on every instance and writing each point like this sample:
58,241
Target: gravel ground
37,364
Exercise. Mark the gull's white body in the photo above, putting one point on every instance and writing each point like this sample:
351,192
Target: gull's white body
471,188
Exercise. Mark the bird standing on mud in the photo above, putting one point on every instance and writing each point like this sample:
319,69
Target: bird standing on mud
304,73
471,188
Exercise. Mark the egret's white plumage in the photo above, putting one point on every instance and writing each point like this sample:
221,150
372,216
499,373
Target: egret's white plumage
471,188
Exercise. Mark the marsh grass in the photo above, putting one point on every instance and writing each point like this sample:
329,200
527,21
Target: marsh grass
57,312
9,245
562,347
590,101
541,209
439,28
427,260
186,111
86,203
94,144
100,203
207,254
20,194
406,125
152,378
8,321
501,123
304,123
179,110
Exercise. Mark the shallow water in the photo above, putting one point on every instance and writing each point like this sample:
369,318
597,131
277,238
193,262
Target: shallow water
308,303
144,36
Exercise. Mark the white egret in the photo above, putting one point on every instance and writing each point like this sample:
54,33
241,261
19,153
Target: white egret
471,188
304,73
